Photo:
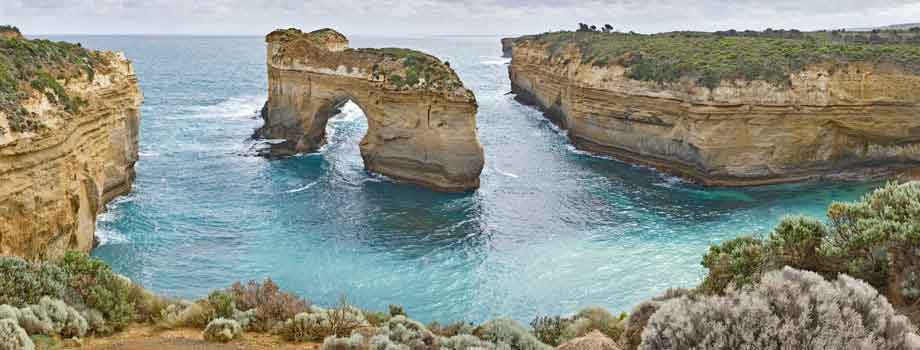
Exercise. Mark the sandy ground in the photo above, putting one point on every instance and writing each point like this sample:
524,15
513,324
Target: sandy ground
143,337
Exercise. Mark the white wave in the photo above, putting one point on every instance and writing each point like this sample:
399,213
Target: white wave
496,62
577,151
234,107
106,236
150,154
304,188
350,111
511,175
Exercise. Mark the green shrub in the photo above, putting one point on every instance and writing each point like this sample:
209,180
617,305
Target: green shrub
734,262
25,283
99,288
550,330
596,318
396,310
52,317
511,333
864,238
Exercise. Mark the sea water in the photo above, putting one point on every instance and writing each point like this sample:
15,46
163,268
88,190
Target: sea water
550,231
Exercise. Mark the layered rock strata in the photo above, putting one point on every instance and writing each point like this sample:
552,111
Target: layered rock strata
421,119
835,120
55,179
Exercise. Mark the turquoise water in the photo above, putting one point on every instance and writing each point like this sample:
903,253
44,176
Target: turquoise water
550,231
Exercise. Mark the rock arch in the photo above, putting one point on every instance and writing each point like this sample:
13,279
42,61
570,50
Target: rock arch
421,119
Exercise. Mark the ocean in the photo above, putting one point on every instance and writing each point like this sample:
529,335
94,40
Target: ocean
550,231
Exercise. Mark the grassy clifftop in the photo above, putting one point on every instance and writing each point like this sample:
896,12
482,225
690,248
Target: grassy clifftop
27,66
712,57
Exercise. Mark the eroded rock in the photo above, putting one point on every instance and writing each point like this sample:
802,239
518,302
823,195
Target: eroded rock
421,119
840,121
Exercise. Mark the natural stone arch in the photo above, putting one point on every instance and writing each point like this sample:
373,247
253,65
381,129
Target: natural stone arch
421,120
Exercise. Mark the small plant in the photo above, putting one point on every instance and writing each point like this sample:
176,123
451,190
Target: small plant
321,323
509,332
271,304
396,310
25,283
222,330
13,337
53,317
550,329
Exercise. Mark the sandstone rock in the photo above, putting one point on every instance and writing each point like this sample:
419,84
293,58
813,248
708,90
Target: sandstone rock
421,120
54,183
845,120
592,341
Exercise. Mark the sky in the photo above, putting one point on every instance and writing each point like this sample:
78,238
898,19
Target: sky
442,17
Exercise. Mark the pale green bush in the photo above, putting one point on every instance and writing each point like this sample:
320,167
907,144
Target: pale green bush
222,330
401,333
787,309
13,337
25,283
9,312
506,331
640,315
320,323
184,314
52,317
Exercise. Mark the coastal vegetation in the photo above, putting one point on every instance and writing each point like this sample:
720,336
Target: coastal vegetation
809,284
710,58
41,66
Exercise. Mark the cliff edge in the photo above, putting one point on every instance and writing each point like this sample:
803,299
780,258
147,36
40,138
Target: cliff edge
421,119
68,142
729,110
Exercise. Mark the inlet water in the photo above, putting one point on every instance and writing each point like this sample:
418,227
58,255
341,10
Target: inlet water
550,231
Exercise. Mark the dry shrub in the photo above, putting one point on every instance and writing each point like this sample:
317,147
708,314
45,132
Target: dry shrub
271,304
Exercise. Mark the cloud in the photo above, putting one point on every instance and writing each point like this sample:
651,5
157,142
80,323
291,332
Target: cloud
394,17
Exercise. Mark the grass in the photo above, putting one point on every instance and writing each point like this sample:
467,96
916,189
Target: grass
40,65
709,58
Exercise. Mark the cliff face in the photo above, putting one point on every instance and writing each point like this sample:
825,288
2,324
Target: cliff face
55,179
845,120
421,120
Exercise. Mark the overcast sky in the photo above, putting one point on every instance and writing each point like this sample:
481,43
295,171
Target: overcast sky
423,17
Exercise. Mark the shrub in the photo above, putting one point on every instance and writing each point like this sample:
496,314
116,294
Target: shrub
401,333
222,304
511,333
595,318
13,337
865,239
638,318
396,310
99,288
184,314
222,330
550,330
271,304
24,283
788,309
320,323
53,318
148,306
376,318
737,261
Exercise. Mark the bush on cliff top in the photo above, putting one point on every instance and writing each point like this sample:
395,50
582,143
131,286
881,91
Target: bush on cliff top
38,65
788,309
865,239
710,58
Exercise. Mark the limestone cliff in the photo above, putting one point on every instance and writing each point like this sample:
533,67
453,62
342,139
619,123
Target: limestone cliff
421,120
835,119
68,143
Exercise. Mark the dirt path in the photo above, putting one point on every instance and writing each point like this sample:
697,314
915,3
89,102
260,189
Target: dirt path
140,337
